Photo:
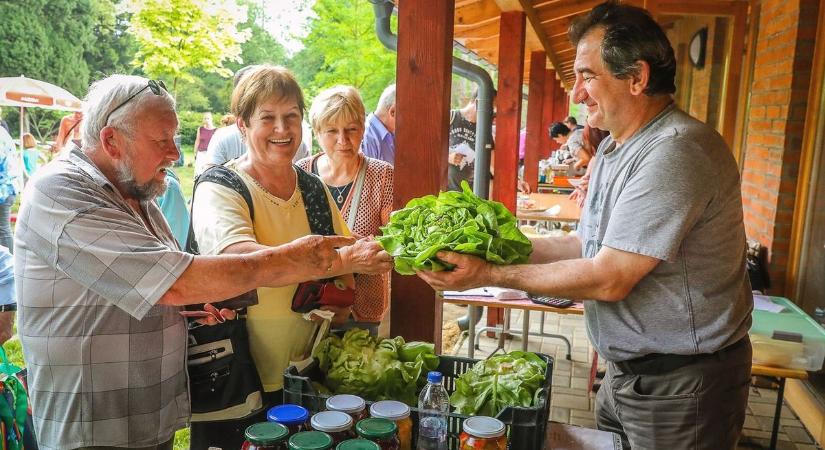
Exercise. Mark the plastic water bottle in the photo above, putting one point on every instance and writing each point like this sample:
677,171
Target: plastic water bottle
433,406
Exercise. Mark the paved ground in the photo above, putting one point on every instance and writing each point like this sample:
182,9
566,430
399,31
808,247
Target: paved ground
572,403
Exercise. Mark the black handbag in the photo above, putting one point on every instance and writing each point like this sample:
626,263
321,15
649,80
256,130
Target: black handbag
223,381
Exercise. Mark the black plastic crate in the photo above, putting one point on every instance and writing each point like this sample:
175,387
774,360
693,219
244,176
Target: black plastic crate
526,427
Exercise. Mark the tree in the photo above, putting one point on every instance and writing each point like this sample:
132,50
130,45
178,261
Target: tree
176,37
114,47
342,48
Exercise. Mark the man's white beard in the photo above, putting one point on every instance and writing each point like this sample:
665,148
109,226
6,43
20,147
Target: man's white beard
139,192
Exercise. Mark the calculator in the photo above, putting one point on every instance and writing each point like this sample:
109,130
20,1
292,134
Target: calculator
555,302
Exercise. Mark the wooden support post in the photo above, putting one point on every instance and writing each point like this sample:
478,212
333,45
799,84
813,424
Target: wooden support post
550,87
508,116
425,42
535,105
561,106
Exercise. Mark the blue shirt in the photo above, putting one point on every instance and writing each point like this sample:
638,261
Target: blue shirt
7,296
378,142
174,209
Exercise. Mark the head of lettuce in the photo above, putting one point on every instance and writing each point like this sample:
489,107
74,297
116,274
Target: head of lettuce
460,222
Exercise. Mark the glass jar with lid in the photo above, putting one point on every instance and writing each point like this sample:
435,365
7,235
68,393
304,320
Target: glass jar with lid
334,423
483,433
400,414
310,440
353,405
293,417
266,436
358,444
381,431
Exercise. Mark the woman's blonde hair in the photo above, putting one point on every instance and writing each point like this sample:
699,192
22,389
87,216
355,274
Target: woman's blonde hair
338,104
262,83
29,141
227,119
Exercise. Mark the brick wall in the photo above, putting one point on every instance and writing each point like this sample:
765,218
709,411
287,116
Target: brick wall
775,123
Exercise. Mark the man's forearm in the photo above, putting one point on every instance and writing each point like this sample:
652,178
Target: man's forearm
552,249
577,279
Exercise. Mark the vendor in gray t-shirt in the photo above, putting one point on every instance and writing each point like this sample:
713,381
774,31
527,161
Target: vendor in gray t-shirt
660,255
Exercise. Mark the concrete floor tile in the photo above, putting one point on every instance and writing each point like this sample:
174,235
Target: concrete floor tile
807,447
764,409
798,435
582,422
582,414
752,423
570,401
561,381
561,415
579,382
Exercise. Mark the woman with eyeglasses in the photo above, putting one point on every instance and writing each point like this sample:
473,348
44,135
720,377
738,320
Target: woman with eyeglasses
269,107
361,188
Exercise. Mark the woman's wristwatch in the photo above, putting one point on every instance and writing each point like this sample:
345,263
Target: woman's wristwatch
9,307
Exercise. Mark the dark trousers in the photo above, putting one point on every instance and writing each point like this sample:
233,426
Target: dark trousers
229,434
698,405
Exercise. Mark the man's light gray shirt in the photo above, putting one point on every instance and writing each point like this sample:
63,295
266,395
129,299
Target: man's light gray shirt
106,362
227,144
670,192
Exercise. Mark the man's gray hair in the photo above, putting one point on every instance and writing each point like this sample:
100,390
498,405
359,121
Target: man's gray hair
104,96
387,99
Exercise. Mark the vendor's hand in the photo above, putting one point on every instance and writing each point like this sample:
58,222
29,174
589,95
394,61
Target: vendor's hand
469,272
6,325
342,313
319,255
455,158
523,187
366,256
212,319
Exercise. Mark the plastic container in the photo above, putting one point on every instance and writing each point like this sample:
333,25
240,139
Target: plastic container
483,433
400,414
381,431
334,423
433,407
773,334
266,436
294,417
353,405
526,427
358,444
310,440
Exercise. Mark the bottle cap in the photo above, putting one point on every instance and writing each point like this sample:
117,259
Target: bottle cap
287,414
357,444
266,433
331,422
376,428
434,377
484,427
347,403
310,440
389,409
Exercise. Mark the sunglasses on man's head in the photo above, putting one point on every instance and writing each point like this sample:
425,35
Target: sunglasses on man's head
157,88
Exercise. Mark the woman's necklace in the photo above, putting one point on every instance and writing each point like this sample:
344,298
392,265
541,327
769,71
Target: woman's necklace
339,190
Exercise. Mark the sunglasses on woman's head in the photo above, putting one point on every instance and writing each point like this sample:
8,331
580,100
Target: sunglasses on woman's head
157,88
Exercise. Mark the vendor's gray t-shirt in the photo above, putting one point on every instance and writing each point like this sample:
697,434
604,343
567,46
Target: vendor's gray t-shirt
671,192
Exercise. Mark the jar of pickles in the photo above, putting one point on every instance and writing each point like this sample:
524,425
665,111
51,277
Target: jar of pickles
483,433
350,404
334,423
381,431
358,444
310,440
293,417
266,436
400,414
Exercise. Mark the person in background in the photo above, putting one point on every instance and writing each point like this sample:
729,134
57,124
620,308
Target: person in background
227,120
269,105
8,299
336,118
69,130
9,186
101,279
379,137
570,142
571,123
3,123
174,208
202,138
30,154
227,142
659,258
462,133
592,137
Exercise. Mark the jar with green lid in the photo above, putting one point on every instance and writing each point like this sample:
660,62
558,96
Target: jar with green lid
358,444
265,436
400,414
310,440
383,432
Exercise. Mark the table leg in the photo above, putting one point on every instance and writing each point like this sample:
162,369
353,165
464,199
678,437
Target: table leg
780,394
471,332
525,328
504,329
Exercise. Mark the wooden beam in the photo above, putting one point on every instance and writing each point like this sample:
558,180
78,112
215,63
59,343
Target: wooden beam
477,31
731,91
535,23
535,105
561,106
551,85
697,7
424,65
476,13
567,9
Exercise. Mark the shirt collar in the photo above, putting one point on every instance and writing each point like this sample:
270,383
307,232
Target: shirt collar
80,159
376,123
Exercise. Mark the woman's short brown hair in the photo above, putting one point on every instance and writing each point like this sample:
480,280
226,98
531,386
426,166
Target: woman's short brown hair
338,104
262,83
29,141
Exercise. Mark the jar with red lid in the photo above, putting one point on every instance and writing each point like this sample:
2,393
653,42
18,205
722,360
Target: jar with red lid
381,431
294,417
353,405
266,436
483,433
334,423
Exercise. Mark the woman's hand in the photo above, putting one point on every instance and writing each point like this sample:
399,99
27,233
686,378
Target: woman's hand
366,256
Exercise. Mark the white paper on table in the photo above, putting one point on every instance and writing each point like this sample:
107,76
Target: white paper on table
764,303
477,292
468,152
489,291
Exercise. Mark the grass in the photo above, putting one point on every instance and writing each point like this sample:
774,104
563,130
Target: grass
12,347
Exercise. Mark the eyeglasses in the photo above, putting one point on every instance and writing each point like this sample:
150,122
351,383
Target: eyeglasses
157,88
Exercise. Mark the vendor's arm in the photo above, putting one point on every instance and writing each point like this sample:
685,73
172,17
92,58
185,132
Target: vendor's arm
556,248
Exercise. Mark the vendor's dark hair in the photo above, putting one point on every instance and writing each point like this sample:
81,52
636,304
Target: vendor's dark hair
630,35
558,129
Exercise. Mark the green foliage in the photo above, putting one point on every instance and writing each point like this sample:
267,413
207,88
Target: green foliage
176,37
342,48
188,123
456,221
114,48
